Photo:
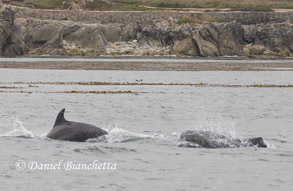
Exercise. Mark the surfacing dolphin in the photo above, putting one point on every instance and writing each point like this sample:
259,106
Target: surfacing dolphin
73,131
208,139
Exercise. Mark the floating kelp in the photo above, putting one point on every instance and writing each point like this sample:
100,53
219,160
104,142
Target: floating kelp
9,87
79,92
34,84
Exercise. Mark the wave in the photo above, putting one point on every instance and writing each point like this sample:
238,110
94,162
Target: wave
17,129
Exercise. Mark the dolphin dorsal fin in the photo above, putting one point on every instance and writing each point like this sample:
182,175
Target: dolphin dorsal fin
60,118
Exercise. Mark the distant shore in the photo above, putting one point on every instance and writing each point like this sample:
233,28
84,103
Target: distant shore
148,64
203,34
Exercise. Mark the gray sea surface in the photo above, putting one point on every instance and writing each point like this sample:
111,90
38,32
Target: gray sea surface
140,152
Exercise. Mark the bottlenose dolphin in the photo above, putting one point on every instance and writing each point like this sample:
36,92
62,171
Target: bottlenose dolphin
208,139
73,131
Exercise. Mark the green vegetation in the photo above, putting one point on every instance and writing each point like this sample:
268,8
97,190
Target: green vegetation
130,2
247,5
288,6
168,4
188,20
39,4
116,5
209,18
147,5
256,8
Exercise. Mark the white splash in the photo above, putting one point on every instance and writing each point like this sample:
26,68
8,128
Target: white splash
119,135
18,129
218,131
217,125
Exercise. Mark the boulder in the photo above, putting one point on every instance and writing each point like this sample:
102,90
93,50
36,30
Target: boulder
230,39
186,47
219,39
15,45
256,49
87,37
206,40
57,52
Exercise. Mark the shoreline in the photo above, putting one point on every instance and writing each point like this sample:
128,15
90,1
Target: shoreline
185,34
148,64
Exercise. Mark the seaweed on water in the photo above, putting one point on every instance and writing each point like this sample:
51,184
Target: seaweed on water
79,92
201,84
9,87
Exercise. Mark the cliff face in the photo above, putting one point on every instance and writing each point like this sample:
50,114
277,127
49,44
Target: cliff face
81,33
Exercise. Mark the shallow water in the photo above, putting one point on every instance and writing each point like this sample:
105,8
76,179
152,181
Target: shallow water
143,127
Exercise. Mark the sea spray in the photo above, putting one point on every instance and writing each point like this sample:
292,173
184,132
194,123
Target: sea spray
217,132
17,129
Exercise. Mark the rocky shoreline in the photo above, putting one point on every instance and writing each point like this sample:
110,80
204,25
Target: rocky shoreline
27,32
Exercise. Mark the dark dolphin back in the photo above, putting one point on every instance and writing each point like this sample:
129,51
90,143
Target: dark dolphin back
258,141
60,118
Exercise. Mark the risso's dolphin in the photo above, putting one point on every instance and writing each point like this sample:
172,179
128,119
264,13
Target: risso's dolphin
73,131
208,139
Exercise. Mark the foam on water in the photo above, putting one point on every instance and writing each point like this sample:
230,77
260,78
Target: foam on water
17,129
269,145
119,135
116,135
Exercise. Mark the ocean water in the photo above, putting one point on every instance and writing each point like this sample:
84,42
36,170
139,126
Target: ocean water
143,121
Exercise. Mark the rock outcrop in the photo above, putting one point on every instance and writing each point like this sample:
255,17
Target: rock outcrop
186,47
228,39
6,26
27,35
11,38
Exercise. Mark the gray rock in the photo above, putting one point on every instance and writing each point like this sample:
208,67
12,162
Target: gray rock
256,49
206,40
92,36
219,39
57,52
6,26
15,45
87,36
186,47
